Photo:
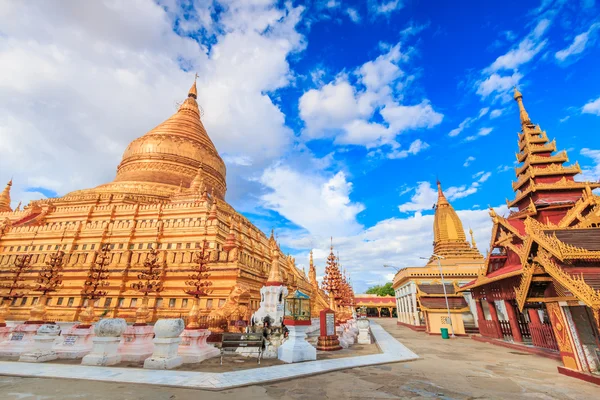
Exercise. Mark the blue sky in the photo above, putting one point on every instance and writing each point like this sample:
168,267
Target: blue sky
335,118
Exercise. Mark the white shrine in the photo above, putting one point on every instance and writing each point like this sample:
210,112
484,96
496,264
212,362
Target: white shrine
273,294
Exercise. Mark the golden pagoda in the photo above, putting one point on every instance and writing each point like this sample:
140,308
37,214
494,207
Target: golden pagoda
420,295
168,195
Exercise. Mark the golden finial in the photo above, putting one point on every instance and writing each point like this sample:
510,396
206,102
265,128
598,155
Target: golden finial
522,112
473,244
441,197
193,92
5,198
18,207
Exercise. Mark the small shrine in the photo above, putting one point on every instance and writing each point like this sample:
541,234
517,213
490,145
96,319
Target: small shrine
297,320
273,293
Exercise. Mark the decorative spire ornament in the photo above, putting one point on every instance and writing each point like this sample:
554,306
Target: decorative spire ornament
522,112
48,281
332,279
96,280
13,284
5,198
198,283
149,282
274,278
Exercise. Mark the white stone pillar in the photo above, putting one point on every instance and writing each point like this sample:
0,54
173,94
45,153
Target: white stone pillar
107,335
166,344
415,312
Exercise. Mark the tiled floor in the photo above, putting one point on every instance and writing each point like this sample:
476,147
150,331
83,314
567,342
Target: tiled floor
392,351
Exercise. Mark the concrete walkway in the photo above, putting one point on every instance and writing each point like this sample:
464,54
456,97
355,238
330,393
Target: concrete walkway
392,351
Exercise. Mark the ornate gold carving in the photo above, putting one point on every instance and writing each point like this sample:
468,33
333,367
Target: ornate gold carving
558,248
522,290
576,285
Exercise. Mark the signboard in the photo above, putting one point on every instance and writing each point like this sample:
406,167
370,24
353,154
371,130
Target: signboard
70,340
330,323
327,324
17,336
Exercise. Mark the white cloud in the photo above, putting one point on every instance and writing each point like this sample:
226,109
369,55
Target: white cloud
524,52
480,133
385,7
468,161
467,122
401,117
413,29
503,74
485,131
592,172
497,83
346,111
579,43
80,82
496,113
353,15
323,206
415,147
329,107
592,107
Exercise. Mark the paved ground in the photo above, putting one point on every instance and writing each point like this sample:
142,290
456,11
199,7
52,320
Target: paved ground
449,369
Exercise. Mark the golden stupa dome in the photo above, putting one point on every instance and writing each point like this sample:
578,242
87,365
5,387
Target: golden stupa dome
170,156
449,239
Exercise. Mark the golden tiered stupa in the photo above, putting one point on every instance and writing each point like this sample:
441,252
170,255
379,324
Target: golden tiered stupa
420,297
169,194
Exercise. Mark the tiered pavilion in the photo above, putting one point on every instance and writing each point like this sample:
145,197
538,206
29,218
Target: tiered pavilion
169,193
540,284
419,291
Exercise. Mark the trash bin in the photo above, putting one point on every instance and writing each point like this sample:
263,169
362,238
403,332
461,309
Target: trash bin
444,333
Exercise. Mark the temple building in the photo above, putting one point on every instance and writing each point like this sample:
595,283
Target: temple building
376,306
420,297
169,194
540,285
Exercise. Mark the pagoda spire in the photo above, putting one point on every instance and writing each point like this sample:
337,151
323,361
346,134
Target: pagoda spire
193,92
442,201
312,272
5,198
274,278
449,239
522,112
543,179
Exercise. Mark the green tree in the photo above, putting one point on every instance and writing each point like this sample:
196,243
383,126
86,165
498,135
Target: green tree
382,290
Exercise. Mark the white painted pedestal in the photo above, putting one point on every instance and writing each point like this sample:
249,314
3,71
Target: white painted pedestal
166,342
104,352
108,333
77,343
20,341
364,332
165,354
43,342
193,347
296,348
137,343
